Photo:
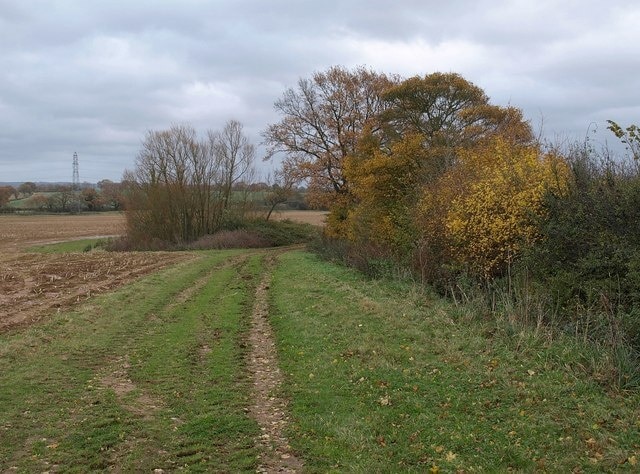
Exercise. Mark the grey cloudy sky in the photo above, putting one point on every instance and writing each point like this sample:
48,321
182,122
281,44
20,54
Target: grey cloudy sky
94,76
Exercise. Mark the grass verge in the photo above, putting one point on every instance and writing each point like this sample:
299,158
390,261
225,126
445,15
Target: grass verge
151,376
82,245
382,378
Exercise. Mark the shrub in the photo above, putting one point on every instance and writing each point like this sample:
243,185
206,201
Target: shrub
590,251
230,239
588,257
493,217
280,233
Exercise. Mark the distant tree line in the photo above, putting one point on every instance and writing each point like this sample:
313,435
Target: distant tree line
106,195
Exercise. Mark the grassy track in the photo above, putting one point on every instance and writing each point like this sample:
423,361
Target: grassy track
148,377
380,378
383,379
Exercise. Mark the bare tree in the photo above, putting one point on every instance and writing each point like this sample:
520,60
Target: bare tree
235,154
181,185
322,120
27,188
280,191
173,184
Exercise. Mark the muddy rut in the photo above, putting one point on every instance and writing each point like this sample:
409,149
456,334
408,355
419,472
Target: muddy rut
268,407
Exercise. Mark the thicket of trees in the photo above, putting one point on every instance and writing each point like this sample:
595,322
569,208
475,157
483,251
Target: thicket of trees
5,194
181,188
426,175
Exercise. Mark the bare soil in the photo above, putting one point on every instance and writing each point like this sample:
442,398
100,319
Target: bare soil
268,407
20,231
33,286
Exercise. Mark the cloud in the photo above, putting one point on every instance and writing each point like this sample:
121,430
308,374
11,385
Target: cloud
93,77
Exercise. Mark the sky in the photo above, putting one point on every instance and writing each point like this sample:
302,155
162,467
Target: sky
93,77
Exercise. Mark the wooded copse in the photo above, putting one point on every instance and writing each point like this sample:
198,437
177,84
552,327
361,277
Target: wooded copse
424,176
181,188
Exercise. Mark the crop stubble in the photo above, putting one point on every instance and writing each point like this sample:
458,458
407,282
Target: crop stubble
33,286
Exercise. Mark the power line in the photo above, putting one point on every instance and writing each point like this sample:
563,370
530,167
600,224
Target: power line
76,174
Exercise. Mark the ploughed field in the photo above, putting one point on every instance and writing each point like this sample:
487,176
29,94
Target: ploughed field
35,284
18,232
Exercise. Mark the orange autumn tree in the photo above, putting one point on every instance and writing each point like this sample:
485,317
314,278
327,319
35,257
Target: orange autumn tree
499,189
384,189
450,113
427,122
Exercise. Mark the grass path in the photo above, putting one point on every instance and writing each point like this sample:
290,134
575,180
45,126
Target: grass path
276,361
150,377
385,378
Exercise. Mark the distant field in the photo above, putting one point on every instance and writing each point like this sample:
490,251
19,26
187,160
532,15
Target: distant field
28,202
307,217
18,232
56,277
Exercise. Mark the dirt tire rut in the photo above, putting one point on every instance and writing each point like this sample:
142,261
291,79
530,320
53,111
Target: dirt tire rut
268,408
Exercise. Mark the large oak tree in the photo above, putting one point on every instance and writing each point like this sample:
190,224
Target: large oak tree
322,121
449,113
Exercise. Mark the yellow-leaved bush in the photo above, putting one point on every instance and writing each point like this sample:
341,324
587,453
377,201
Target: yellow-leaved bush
497,199
385,187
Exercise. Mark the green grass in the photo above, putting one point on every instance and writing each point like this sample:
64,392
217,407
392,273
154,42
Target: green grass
83,245
136,380
383,378
280,233
26,203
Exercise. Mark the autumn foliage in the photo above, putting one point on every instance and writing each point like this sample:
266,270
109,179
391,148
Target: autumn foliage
499,201
322,121
384,186
442,177
437,181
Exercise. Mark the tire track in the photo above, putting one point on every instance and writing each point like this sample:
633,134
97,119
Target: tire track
268,408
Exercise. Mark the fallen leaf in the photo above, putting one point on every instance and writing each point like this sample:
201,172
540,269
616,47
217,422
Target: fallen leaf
450,457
